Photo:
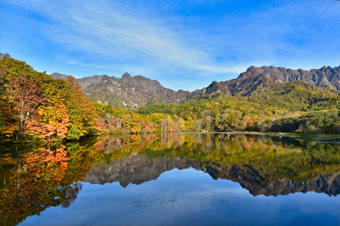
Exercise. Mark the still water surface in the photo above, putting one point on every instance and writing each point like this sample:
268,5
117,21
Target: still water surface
173,179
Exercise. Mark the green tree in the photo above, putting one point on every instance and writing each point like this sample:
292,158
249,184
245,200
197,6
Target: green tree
83,116
108,109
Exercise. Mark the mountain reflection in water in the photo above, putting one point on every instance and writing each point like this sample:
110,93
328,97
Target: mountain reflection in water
35,178
137,169
297,166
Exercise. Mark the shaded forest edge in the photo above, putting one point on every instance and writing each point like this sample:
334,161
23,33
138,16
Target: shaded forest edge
34,106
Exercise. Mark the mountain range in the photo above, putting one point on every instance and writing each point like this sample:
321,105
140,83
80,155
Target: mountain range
135,91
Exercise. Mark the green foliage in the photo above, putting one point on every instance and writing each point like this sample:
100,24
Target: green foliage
299,96
310,123
100,108
109,109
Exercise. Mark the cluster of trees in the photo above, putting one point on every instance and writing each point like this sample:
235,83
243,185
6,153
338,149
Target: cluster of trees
33,105
310,123
120,120
220,114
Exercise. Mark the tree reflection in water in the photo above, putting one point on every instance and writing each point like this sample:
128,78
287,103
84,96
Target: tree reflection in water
36,179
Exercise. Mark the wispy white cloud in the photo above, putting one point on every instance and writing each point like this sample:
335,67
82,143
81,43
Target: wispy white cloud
115,34
155,38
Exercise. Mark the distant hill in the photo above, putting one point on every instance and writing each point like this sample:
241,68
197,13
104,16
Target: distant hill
135,91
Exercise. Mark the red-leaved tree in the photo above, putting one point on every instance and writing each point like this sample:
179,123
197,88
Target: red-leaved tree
24,95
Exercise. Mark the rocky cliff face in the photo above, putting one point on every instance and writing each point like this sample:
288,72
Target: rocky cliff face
323,77
138,169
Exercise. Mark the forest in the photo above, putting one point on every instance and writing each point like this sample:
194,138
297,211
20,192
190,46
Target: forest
34,106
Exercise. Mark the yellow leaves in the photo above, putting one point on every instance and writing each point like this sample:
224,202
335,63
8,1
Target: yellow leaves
55,120
9,130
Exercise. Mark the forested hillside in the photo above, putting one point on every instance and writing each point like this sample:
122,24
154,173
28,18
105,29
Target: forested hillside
299,96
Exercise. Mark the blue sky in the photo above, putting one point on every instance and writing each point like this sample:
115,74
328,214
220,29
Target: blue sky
183,44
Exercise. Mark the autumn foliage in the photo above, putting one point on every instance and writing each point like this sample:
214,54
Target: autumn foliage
32,104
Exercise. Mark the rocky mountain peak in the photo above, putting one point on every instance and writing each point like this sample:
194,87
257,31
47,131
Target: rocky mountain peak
56,75
126,76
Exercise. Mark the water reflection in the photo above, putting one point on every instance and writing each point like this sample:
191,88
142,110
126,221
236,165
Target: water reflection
262,165
35,178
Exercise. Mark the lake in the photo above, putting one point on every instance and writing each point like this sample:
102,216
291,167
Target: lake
173,179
